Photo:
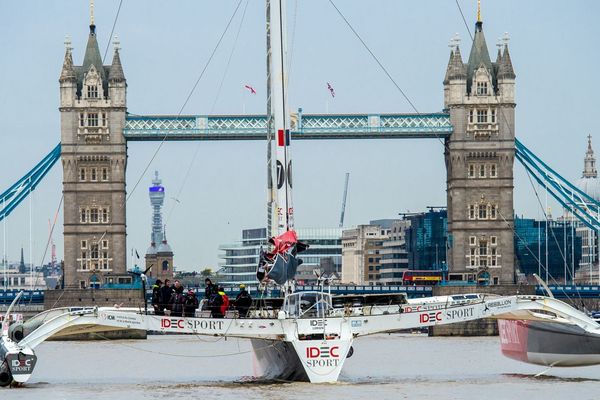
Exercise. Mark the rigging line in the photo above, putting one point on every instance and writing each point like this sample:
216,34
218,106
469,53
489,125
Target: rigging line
464,19
293,41
440,139
112,31
187,173
555,239
48,244
183,355
187,99
374,56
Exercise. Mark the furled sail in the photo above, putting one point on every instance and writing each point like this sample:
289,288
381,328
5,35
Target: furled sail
281,264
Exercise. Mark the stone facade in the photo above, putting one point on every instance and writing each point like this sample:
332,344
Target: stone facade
479,154
361,248
94,160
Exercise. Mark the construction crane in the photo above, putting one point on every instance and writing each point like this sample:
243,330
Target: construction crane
344,200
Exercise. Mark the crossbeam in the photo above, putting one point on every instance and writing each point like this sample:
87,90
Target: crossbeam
308,127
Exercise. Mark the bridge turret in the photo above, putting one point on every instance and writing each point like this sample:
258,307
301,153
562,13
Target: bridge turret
117,85
68,78
94,158
506,74
479,96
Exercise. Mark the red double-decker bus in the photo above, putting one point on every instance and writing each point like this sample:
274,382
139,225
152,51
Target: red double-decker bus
422,277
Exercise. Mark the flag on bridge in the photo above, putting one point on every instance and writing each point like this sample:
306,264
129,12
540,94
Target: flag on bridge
331,89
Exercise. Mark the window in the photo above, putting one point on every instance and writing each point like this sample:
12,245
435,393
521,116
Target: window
93,174
471,170
105,255
482,88
94,215
481,116
472,240
493,171
92,91
81,119
472,257
483,247
82,174
482,170
94,252
493,240
104,174
92,119
482,212
493,209
472,211
105,244
165,265
104,120
493,261
83,255
470,116
81,284
84,244
82,215
493,116
105,215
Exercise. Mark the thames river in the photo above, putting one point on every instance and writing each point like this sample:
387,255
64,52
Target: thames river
382,367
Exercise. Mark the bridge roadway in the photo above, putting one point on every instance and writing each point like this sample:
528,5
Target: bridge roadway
303,126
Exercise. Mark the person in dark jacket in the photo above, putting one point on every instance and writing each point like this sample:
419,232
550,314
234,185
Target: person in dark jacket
210,289
165,296
215,303
243,301
177,300
156,297
190,304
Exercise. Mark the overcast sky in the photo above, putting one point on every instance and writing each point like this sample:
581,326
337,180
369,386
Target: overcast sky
165,45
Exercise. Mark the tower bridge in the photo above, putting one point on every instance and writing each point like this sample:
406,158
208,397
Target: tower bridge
477,127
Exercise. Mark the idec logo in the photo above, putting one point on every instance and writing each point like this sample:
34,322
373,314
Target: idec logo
174,323
430,317
323,352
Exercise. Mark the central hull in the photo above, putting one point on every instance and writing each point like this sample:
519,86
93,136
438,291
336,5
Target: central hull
277,360
549,343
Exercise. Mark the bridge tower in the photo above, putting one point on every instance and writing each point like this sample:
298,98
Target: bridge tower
94,159
479,155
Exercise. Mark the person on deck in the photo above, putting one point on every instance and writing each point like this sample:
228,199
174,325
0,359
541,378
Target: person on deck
214,303
243,301
156,297
225,305
209,289
165,296
177,300
190,304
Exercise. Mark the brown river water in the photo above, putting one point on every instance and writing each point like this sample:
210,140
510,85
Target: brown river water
393,366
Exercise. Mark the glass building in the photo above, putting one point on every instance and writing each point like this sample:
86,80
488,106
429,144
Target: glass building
563,253
426,240
240,260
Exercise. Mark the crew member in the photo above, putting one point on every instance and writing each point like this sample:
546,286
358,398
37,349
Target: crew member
156,288
177,300
243,301
225,305
190,304
165,296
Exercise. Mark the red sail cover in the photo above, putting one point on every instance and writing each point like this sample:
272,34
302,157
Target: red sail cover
283,242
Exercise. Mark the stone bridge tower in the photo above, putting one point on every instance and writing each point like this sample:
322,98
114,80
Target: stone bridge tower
480,96
94,159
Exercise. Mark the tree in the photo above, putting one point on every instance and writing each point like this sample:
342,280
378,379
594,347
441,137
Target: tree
206,272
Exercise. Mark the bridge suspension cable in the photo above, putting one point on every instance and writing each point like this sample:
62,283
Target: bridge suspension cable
19,191
581,205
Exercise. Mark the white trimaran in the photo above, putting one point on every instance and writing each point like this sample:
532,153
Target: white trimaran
308,335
